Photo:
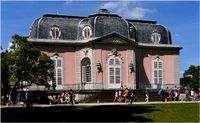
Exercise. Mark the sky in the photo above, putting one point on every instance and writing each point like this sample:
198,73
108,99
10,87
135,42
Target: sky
180,17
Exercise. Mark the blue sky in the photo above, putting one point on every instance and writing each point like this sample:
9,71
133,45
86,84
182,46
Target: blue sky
181,18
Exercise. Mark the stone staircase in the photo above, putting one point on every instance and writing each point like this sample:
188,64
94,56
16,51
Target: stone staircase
108,96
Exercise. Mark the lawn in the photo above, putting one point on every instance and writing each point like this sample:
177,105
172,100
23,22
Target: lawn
188,112
172,113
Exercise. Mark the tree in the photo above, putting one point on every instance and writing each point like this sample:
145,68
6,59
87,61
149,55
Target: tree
45,70
25,65
191,77
6,61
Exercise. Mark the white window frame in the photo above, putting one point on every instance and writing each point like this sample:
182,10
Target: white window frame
155,38
56,68
157,60
114,66
87,32
54,28
84,75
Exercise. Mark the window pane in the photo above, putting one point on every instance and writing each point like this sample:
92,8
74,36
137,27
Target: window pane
83,73
57,33
59,72
54,76
155,73
155,65
111,62
160,65
111,71
88,74
155,80
117,79
59,63
160,80
117,62
60,80
117,71
160,73
111,79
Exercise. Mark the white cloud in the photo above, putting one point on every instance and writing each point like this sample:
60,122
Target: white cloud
123,8
139,12
67,2
111,5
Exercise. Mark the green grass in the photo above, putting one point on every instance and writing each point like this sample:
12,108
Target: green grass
179,112
172,113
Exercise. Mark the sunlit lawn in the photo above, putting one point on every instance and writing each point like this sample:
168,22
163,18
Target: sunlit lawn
173,113
177,112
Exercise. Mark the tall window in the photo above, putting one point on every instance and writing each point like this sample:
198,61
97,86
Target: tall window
55,32
86,70
157,71
114,70
58,71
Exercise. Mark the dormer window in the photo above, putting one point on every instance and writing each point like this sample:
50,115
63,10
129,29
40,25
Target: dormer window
155,37
87,32
55,32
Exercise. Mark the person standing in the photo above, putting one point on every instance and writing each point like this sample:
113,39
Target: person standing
116,96
187,93
71,96
147,95
29,99
178,92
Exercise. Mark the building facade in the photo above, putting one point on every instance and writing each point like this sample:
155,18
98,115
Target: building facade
106,51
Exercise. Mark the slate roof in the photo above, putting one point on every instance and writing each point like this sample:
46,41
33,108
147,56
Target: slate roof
101,23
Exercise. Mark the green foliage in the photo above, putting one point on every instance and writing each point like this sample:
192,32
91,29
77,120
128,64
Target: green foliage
25,64
6,61
191,77
45,70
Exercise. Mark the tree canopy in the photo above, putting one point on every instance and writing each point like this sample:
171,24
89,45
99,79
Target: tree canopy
26,64
191,77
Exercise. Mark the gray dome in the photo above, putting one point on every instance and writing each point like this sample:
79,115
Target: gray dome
104,23
67,24
146,29
101,24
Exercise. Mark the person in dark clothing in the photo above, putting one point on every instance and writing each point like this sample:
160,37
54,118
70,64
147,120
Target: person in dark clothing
71,96
163,94
29,99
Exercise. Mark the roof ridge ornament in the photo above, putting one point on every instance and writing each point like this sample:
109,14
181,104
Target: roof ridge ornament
103,11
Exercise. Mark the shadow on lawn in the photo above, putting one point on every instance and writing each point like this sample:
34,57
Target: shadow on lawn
111,113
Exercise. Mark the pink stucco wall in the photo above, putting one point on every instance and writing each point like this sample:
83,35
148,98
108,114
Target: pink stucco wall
69,71
69,68
169,76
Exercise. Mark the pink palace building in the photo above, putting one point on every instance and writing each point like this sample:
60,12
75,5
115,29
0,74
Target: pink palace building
106,51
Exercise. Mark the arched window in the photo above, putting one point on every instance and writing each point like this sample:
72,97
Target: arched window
86,70
58,71
55,32
114,70
155,37
157,71
87,32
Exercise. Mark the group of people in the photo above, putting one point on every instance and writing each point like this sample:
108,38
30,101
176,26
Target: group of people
21,98
170,94
66,97
192,94
124,95
174,94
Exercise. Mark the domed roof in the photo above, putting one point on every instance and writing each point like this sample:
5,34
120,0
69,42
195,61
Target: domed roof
97,25
104,23
67,25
